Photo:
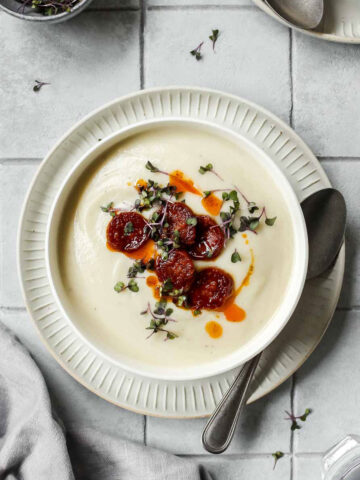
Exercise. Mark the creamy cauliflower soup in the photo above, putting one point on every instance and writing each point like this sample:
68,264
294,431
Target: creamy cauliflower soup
175,247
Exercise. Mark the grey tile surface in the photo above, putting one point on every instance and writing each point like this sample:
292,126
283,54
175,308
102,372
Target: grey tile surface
190,3
345,175
247,468
76,406
14,181
307,467
97,57
326,97
329,384
262,429
246,64
114,4
103,43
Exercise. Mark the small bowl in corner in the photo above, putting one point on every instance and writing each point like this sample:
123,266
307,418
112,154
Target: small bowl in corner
15,8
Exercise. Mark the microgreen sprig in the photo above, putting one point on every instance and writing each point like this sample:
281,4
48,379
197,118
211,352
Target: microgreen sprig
196,52
293,418
132,286
38,85
160,317
213,37
209,168
277,455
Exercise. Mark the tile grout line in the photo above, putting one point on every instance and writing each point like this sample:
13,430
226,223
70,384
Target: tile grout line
292,399
291,119
145,430
205,7
142,41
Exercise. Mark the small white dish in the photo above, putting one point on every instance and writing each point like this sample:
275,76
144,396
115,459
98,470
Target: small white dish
341,21
263,337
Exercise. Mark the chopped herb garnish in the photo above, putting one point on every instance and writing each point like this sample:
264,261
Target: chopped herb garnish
38,85
129,228
277,455
293,418
191,221
197,51
235,257
214,37
207,193
197,312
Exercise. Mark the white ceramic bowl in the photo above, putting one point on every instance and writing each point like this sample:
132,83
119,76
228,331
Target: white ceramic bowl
272,327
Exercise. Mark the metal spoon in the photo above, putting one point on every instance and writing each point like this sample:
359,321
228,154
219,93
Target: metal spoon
325,218
305,14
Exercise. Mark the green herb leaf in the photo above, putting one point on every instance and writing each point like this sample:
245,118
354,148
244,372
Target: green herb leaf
167,286
304,416
235,257
197,312
277,455
133,286
38,85
214,37
207,193
151,167
119,287
270,221
254,224
129,228
206,168
191,221
108,207
252,207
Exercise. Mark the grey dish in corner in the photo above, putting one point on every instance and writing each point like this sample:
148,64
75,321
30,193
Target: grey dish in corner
15,8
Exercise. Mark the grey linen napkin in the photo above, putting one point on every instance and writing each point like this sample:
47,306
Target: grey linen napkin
33,445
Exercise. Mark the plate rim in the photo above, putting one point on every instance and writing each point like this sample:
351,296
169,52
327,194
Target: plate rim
58,144
329,37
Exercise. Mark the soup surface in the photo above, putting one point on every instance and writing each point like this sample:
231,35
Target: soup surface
258,258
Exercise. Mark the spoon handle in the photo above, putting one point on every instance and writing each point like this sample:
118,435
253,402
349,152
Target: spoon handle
220,428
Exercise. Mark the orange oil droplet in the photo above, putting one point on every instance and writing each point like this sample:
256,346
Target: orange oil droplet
140,183
212,204
153,282
214,329
244,235
128,184
232,312
183,183
144,253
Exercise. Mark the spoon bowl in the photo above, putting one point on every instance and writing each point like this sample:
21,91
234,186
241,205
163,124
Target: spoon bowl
305,14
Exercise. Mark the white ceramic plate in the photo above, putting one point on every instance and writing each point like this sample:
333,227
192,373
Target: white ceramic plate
341,22
95,371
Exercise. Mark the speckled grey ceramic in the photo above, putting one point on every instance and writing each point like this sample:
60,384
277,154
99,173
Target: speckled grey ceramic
15,8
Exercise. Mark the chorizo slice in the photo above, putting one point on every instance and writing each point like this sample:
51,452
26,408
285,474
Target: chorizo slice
178,268
126,232
177,216
210,239
211,288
